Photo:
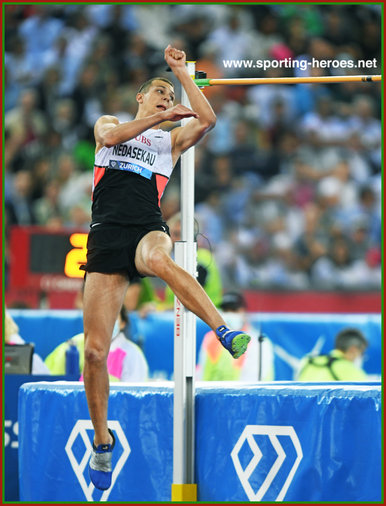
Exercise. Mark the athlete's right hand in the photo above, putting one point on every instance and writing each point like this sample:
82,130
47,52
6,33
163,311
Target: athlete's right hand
177,113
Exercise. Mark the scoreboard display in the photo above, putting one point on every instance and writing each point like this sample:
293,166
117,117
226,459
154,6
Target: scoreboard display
47,260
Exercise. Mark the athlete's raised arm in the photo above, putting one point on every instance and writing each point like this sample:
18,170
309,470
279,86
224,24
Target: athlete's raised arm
185,137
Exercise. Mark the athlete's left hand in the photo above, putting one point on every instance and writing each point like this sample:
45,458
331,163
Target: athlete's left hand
175,57
177,113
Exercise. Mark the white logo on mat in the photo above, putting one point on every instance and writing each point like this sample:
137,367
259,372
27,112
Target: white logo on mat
80,429
272,432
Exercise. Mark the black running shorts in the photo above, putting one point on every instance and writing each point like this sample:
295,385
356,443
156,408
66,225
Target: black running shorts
111,248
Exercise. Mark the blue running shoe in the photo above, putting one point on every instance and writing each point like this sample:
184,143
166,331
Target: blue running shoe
99,467
234,341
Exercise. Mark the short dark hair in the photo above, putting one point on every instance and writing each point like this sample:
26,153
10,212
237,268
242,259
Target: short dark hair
232,301
350,337
146,85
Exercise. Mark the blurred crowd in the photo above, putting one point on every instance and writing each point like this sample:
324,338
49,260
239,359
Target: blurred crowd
288,184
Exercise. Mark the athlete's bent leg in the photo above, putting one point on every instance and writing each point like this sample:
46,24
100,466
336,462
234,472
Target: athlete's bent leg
153,259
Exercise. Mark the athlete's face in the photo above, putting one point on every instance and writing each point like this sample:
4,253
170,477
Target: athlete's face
159,97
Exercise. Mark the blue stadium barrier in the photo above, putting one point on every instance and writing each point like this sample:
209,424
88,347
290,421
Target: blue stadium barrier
12,383
293,335
271,442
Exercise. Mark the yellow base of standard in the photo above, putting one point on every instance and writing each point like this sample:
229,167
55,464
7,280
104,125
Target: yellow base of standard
184,492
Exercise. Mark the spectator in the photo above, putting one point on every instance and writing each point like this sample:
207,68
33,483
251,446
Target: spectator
125,362
75,186
193,25
85,95
343,363
80,36
313,242
19,66
41,169
48,91
79,216
11,336
281,269
209,214
323,125
360,168
359,238
234,39
47,207
369,210
208,63
339,270
39,32
214,365
19,208
64,121
244,155
221,139
140,55
24,125
268,32
369,129
266,96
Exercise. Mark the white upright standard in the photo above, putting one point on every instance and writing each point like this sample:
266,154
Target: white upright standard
183,488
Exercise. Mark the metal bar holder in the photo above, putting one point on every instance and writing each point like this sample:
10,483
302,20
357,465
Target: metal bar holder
183,486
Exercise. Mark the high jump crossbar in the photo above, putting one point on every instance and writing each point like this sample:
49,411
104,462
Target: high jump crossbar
201,83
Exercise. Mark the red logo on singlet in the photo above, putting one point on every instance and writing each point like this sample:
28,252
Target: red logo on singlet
143,139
